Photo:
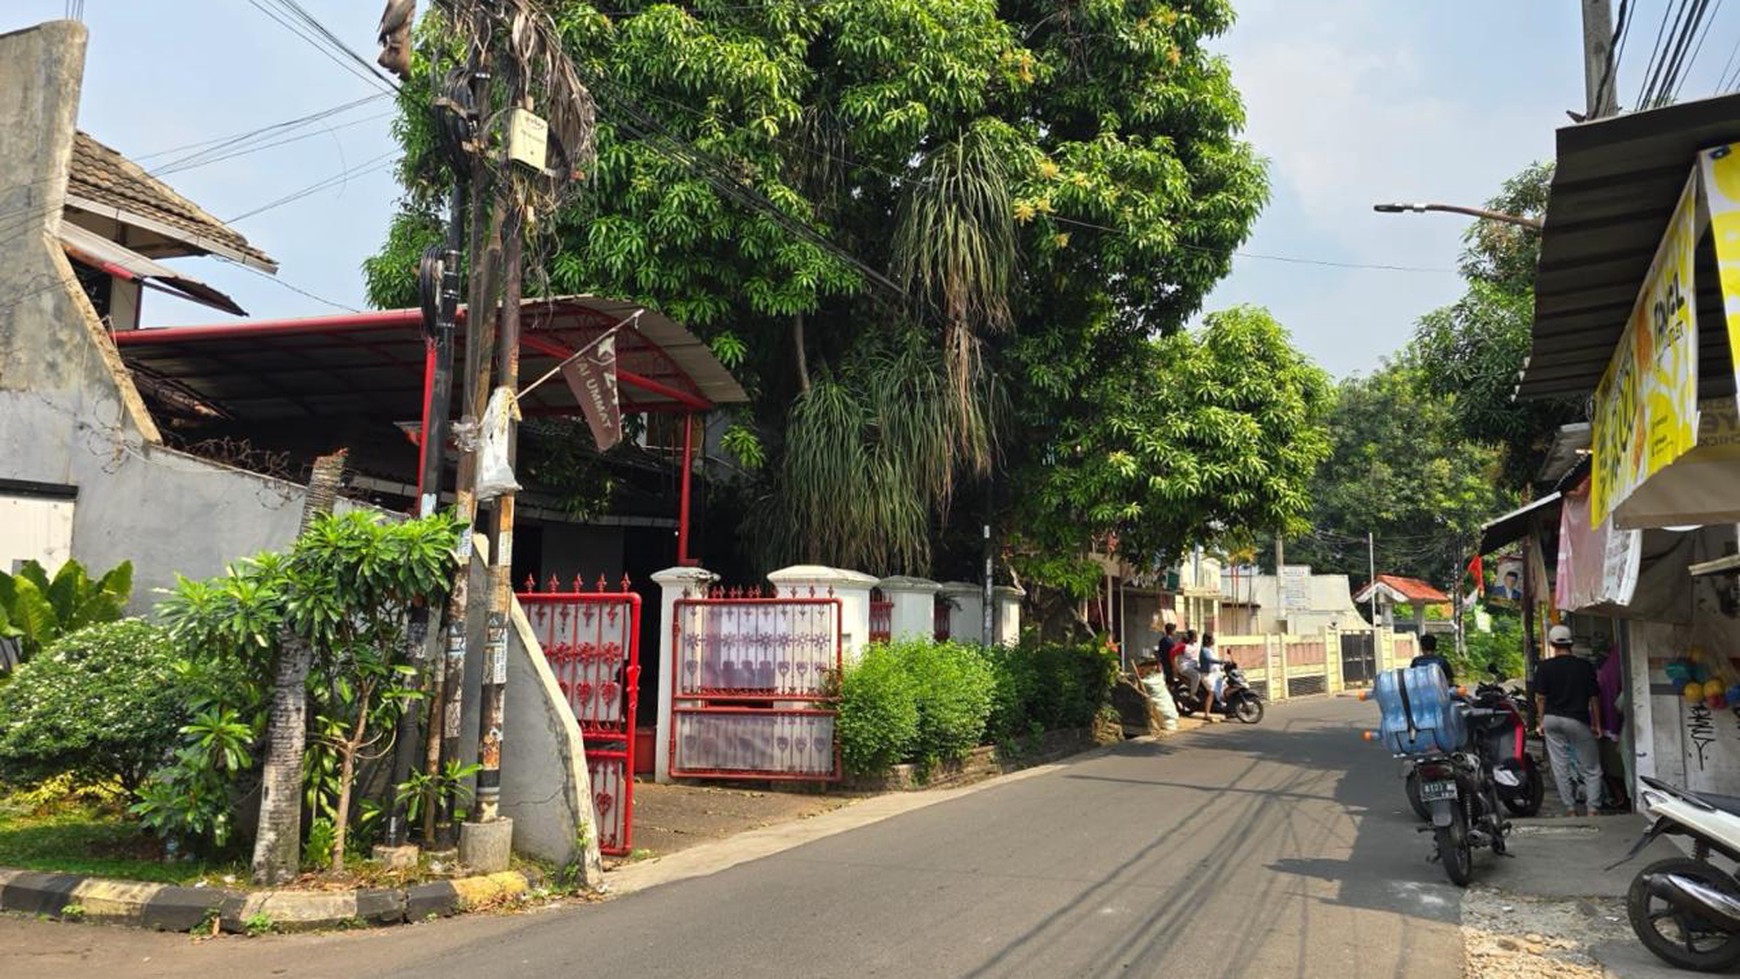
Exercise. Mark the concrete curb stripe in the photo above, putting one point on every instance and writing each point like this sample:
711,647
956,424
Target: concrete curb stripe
167,907
480,891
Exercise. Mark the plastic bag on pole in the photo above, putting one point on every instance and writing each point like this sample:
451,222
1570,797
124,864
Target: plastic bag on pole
495,475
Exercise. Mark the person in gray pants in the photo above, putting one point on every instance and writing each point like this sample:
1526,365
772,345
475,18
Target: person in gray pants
1568,709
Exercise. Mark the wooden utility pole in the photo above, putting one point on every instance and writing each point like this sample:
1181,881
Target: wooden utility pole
1599,69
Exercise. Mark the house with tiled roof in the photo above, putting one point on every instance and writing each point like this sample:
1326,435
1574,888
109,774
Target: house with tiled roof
1391,590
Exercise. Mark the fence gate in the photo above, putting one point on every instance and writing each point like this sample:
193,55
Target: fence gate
592,642
1358,657
755,685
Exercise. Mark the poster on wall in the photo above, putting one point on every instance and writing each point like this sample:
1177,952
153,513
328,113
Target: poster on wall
1506,588
1597,565
1646,406
1295,588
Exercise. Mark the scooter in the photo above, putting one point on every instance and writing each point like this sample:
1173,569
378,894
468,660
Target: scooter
1686,910
1515,772
1237,699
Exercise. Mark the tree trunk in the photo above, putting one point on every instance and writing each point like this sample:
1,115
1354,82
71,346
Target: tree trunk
278,846
803,361
347,772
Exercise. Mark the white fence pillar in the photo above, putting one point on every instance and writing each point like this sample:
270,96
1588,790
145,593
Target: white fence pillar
1007,618
852,588
674,583
914,601
966,610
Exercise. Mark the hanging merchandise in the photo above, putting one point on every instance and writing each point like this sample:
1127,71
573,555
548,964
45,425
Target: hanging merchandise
495,475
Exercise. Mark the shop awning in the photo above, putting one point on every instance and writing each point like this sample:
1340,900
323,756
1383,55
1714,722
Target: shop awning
1615,185
1514,526
124,263
372,365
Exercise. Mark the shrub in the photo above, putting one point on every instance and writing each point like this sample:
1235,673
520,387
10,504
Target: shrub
954,687
1049,686
101,702
878,723
36,609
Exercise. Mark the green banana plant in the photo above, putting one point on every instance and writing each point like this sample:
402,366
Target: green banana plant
36,609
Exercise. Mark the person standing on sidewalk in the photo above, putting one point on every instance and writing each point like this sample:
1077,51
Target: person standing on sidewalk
1568,705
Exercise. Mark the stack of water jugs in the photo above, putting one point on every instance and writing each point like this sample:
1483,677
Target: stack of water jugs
1419,715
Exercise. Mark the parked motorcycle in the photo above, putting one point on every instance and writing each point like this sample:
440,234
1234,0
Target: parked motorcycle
1237,699
1685,909
1515,772
1446,739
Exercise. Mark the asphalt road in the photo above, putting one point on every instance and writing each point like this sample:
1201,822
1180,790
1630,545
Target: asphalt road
1269,851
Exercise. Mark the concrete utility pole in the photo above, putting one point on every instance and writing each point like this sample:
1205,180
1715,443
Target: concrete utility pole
1371,562
1598,69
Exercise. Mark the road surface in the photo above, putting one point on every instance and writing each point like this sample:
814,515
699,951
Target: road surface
1269,851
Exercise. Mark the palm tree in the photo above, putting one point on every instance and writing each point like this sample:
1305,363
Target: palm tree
874,448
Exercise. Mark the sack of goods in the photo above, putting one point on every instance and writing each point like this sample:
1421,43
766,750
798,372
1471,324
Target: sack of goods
1419,715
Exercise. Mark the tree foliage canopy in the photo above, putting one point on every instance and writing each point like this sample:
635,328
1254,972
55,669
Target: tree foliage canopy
1401,470
1025,193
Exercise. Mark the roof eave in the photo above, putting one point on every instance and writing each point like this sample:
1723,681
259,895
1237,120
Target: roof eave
212,246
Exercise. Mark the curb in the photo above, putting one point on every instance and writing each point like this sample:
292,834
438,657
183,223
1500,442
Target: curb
167,907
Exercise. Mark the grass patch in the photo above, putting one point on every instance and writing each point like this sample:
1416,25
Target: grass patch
89,838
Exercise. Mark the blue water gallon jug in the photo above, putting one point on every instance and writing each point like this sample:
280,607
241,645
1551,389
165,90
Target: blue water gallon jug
1419,715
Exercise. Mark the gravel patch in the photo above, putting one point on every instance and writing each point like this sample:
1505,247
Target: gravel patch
1504,935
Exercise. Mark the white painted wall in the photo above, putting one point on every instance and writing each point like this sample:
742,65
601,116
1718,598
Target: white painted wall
35,529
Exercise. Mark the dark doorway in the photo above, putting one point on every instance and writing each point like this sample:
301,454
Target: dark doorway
1358,658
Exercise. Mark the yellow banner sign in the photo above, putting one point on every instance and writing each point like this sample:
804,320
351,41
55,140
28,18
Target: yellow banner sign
1722,193
1646,407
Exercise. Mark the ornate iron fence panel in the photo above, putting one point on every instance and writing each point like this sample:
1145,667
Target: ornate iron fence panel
754,686
591,639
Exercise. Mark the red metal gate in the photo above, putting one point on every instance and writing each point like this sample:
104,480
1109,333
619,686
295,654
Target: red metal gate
755,686
592,642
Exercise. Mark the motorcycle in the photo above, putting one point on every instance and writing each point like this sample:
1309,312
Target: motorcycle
1462,800
1237,699
1685,909
1520,784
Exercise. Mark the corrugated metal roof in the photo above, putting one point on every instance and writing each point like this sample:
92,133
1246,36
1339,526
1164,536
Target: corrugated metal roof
1614,188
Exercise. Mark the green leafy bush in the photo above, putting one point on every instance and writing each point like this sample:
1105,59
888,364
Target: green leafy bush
1049,686
35,609
878,723
954,685
102,702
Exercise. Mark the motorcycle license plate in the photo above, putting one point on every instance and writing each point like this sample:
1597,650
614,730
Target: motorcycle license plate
1436,791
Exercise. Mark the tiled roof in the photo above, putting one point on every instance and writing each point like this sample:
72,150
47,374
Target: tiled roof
103,176
1413,589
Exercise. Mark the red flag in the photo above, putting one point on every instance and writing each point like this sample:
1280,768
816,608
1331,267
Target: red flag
1477,570
592,378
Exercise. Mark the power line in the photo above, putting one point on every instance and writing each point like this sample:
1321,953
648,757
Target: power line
370,165
203,152
1615,48
262,147
293,288
342,57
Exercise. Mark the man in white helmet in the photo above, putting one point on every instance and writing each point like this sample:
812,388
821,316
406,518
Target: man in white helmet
1567,714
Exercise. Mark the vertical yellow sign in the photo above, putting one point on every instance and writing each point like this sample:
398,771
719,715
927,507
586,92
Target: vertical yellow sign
1722,192
1646,407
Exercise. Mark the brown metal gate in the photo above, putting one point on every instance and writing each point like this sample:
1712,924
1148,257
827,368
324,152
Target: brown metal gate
592,642
1358,658
755,686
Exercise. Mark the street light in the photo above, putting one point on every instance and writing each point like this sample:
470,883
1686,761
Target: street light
1533,224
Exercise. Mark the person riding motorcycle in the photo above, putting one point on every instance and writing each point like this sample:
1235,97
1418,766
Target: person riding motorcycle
1429,656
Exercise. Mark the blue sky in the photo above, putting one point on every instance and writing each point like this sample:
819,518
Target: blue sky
1351,101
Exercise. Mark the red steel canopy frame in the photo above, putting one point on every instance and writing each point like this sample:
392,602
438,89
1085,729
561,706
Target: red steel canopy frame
378,366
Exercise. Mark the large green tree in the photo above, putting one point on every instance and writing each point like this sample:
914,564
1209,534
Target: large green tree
1470,351
1213,438
918,230
1401,470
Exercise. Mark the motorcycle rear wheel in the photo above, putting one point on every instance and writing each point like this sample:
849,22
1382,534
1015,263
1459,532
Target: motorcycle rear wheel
1698,946
1534,791
1249,710
1454,849
1412,785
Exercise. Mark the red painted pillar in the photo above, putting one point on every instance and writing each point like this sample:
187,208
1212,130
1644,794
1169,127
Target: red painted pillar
683,502
423,429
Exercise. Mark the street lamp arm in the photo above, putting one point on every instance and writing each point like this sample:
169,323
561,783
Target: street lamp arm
1533,224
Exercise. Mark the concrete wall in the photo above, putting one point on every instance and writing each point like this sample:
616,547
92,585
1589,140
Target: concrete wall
1331,605
69,413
